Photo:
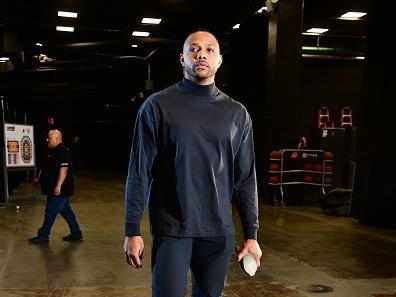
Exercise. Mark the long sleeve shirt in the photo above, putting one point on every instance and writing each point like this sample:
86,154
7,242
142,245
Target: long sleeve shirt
192,153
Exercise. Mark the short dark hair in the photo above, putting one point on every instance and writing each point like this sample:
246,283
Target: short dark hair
200,30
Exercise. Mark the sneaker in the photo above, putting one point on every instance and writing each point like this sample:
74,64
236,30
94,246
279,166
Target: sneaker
38,239
72,237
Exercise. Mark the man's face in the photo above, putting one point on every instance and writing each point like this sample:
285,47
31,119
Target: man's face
201,57
52,140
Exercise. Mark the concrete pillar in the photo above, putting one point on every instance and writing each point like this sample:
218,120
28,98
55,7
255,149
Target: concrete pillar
374,191
8,47
3,168
284,71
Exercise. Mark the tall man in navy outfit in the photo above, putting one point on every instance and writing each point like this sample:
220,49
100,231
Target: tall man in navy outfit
57,183
192,152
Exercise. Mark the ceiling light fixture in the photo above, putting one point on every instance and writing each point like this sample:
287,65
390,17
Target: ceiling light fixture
317,30
64,29
352,15
140,33
39,44
261,9
67,14
151,21
134,45
4,59
236,26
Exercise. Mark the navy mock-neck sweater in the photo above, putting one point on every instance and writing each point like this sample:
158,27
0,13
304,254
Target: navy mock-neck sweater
192,153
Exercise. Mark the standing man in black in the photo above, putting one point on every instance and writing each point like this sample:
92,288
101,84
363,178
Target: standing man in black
57,183
192,151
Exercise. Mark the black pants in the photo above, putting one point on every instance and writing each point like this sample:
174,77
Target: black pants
207,257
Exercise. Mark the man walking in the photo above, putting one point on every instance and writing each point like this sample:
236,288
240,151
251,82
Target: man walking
192,151
57,183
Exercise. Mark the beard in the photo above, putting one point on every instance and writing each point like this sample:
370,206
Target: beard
200,74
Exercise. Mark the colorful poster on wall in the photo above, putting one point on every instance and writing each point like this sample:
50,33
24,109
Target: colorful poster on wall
19,143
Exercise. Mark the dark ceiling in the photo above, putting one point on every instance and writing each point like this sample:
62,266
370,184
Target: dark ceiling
103,28
97,80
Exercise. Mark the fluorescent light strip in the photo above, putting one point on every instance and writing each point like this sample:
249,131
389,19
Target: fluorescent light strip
317,48
321,56
317,30
236,26
151,21
311,34
4,59
64,29
353,15
140,33
134,45
67,14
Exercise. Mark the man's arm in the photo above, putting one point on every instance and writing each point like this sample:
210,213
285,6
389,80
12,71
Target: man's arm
245,187
143,152
61,178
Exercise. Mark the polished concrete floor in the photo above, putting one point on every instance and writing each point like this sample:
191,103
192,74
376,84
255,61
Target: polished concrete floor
305,252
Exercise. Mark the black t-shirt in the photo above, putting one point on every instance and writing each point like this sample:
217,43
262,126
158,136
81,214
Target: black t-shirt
58,157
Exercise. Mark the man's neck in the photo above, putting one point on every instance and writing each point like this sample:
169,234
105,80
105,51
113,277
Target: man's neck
202,82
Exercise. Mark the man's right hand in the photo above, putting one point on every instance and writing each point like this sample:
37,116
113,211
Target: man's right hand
133,248
36,182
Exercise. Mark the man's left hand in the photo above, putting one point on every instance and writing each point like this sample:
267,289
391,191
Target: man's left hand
251,246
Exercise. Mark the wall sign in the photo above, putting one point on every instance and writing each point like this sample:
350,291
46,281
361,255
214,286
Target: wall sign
19,143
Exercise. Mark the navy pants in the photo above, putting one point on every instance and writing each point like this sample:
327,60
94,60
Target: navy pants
207,257
55,205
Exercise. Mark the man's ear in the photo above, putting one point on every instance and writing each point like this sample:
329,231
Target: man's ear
181,59
220,61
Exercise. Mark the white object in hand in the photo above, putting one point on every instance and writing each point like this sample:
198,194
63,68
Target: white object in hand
249,264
